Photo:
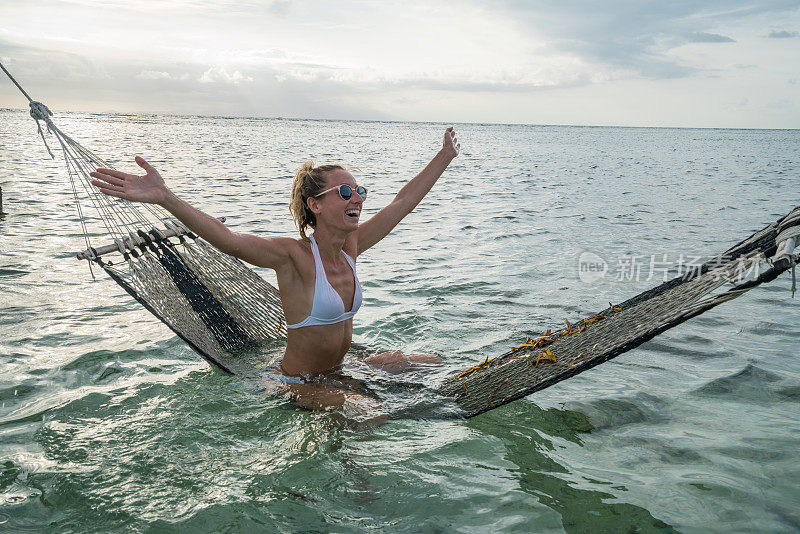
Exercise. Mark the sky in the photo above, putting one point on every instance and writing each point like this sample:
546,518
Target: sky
684,63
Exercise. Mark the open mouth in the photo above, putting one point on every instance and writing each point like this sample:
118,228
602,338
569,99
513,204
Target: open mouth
353,213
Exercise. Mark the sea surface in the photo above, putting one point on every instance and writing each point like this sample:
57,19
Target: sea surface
110,423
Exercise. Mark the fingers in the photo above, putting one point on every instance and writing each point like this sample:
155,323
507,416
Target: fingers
108,188
451,141
112,193
143,164
450,133
108,185
111,172
107,178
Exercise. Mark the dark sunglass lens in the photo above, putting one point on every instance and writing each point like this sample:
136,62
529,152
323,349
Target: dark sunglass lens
362,192
345,191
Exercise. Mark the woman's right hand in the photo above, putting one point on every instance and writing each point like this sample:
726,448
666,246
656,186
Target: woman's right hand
149,188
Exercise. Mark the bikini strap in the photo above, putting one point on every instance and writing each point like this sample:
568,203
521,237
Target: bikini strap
315,253
350,261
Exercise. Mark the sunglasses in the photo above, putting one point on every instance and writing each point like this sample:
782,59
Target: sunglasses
345,191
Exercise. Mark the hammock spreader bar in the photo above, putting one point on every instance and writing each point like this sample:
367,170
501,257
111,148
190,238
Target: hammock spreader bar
129,243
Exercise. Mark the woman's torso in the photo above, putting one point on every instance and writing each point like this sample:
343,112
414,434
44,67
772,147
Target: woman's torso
318,348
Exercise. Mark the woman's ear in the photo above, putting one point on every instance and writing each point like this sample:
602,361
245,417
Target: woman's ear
313,204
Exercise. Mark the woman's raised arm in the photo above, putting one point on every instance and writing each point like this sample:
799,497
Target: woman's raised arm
379,226
150,188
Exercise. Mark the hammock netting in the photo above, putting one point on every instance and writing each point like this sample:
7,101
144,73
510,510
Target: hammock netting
556,356
220,307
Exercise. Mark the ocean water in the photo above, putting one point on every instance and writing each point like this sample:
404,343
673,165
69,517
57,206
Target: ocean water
109,423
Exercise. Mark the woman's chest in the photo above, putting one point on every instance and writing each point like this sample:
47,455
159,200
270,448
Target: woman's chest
340,279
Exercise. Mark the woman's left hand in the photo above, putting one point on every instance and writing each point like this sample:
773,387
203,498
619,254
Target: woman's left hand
450,146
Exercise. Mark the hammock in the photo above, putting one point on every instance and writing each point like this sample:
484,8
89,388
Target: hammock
221,308
211,300
556,356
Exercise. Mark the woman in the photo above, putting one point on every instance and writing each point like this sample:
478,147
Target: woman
317,279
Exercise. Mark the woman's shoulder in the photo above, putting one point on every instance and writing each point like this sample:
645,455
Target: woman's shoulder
287,244
299,248
297,252
295,245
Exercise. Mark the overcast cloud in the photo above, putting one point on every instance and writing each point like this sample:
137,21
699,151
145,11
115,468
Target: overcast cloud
682,63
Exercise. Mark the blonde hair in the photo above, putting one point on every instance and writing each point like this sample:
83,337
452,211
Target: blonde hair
309,181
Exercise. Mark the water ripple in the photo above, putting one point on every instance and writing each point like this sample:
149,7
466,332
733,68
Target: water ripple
110,423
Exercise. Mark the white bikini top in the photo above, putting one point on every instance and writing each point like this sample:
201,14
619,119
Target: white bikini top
328,307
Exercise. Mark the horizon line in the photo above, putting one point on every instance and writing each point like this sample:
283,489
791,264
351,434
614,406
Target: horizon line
401,121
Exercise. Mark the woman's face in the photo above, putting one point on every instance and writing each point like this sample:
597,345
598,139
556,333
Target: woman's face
332,210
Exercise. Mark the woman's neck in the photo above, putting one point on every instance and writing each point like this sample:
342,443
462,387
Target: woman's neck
329,243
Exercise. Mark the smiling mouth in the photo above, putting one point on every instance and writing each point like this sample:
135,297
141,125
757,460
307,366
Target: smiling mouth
353,213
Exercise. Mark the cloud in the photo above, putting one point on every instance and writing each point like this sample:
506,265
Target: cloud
221,75
280,7
154,75
354,59
451,80
127,86
188,7
703,37
633,39
782,34
33,66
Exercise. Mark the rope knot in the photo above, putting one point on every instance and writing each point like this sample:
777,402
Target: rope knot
39,111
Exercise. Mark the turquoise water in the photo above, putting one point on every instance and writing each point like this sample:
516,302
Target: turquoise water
109,423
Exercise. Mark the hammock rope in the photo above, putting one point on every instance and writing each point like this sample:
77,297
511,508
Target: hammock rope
211,300
220,307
